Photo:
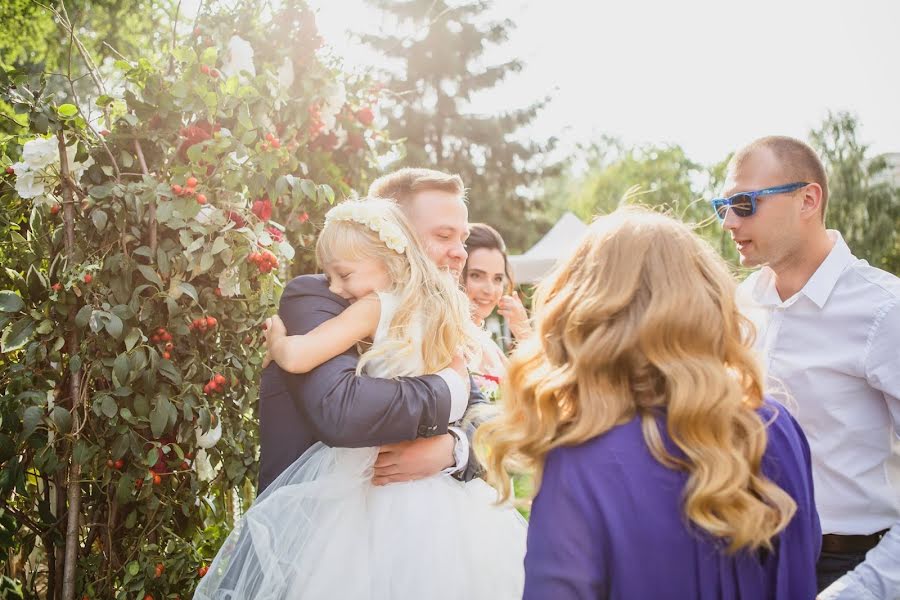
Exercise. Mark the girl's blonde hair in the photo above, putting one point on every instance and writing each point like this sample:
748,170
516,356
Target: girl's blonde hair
430,302
642,321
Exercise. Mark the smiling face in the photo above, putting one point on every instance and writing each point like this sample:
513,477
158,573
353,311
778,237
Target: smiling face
771,235
441,220
485,280
355,279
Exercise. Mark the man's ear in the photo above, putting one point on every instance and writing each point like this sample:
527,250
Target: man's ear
812,201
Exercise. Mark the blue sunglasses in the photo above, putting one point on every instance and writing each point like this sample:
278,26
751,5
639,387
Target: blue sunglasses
743,204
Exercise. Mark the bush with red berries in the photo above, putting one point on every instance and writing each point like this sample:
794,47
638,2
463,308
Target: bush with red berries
132,295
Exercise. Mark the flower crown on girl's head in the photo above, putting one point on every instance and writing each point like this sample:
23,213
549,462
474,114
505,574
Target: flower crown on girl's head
369,213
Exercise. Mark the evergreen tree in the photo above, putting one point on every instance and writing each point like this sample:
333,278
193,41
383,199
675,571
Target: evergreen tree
439,46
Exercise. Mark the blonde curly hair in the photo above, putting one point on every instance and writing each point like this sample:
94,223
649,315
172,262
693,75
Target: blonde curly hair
641,321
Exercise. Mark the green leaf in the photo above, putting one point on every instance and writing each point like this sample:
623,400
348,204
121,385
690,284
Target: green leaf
82,452
141,406
108,407
152,456
62,418
190,290
16,335
100,191
10,302
84,316
132,338
119,447
67,111
123,494
121,368
150,275
329,193
31,419
308,188
99,218
219,245
159,417
114,326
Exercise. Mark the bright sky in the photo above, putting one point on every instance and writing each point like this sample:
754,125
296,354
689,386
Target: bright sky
709,75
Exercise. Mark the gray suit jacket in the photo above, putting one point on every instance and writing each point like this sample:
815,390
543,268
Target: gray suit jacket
333,405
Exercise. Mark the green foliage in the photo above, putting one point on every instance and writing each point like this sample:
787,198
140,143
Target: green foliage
427,108
864,203
156,308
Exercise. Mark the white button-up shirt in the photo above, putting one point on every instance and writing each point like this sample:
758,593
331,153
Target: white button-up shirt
832,354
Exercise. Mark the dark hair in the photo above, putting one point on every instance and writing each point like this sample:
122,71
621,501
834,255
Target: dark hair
485,237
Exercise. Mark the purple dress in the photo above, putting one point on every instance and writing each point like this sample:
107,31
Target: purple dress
608,523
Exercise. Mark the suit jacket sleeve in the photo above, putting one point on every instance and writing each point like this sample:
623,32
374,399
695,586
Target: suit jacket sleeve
349,410
477,412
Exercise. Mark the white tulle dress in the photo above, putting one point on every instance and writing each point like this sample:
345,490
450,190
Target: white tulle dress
322,531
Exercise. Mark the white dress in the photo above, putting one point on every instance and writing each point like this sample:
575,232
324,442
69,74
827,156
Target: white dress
322,531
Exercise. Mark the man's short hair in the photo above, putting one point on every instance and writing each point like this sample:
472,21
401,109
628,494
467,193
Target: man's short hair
799,162
402,185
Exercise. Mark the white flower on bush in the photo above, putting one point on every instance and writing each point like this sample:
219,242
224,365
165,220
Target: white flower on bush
239,58
205,470
335,97
211,437
39,167
41,152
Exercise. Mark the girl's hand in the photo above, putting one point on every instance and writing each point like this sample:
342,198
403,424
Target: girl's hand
512,309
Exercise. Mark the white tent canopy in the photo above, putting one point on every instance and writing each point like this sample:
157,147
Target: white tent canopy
557,243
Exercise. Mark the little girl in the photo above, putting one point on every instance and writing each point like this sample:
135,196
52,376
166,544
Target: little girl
321,530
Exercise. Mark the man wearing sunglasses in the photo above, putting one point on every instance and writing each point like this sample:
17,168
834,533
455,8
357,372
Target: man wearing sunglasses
828,331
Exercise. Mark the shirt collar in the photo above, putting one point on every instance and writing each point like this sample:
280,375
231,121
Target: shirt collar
819,286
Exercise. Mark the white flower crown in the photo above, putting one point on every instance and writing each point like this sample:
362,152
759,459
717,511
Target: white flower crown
369,213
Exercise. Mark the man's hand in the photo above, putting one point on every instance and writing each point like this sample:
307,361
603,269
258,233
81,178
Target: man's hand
408,461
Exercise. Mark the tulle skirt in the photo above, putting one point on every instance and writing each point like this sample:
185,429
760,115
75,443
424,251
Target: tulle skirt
323,531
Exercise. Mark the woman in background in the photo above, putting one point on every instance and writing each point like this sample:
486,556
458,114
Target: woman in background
488,284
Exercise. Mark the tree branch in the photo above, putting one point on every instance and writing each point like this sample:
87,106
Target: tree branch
140,154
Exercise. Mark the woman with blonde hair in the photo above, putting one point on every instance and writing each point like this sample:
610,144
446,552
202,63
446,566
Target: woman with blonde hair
662,471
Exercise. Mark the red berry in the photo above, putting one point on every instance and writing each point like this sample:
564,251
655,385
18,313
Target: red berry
56,287
365,116
276,144
166,355
157,479
110,464
159,570
303,217
138,483
214,73
269,137
88,278
191,182
264,326
185,465
169,346
148,597
204,69
166,337
54,209
10,171
211,322
201,199
202,571
177,189
219,379
119,464
104,132
154,338
197,31
219,292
